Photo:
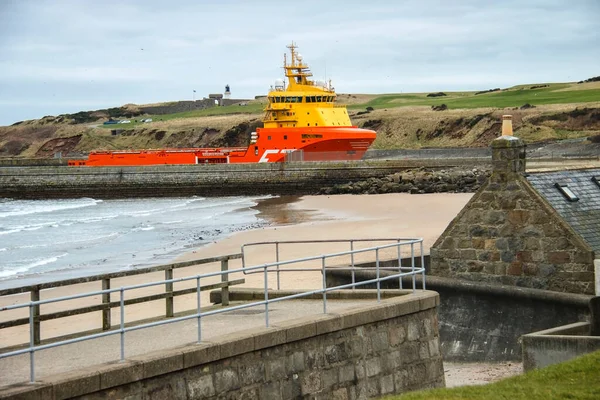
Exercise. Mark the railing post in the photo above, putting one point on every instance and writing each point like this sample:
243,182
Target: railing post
35,328
400,265
266,283
169,290
224,278
378,281
352,263
31,344
277,260
106,322
122,301
412,260
422,265
324,285
199,307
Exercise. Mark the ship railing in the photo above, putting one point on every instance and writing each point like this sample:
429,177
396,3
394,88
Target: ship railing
199,313
404,249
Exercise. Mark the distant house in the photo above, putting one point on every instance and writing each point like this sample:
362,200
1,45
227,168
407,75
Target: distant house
540,230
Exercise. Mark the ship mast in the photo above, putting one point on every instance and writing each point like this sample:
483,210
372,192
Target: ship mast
296,71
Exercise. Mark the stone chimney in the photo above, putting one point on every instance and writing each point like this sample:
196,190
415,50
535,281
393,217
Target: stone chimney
508,154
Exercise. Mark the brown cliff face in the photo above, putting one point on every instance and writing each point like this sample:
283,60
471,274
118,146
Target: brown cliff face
397,128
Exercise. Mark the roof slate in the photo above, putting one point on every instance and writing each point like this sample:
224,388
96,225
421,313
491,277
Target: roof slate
582,215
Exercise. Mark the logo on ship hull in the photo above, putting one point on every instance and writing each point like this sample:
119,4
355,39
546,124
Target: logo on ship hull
265,155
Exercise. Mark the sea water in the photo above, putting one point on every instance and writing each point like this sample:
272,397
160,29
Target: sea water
42,240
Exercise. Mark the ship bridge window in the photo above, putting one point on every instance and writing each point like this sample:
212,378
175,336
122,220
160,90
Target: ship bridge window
308,99
299,99
313,99
319,98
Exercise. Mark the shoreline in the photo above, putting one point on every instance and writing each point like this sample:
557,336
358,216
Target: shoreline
344,216
314,218
318,217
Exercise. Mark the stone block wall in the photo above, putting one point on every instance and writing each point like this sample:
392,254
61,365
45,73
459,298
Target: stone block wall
374,350
508,234
492,308
183,180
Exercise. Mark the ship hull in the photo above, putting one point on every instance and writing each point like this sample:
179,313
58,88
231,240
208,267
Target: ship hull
270,145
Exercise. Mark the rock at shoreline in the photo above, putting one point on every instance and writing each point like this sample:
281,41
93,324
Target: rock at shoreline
417,181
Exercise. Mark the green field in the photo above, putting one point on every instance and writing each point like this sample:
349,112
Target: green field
513,97
553,93
251,108
578,379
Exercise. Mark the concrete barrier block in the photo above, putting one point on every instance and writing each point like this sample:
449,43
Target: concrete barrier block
363,316
120,373
28,391
235,344
267,337
201,353
428,300
77,383
391,309
332,323
161,362
298,329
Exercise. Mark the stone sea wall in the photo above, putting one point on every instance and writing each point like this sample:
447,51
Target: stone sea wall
238,179
387,347
416,181
501,313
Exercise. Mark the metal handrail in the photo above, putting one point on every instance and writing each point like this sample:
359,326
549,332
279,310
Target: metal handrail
199,314
277,243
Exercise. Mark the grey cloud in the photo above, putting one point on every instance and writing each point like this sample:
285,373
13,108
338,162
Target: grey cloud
94,49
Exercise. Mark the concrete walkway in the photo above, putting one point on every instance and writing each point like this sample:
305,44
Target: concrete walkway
104,350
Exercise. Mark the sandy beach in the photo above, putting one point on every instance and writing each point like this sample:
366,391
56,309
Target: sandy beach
291,218
312,218
322,218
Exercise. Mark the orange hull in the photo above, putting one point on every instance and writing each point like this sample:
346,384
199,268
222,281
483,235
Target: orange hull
270,145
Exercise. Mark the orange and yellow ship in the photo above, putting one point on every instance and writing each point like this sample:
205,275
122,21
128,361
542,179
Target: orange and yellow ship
301,123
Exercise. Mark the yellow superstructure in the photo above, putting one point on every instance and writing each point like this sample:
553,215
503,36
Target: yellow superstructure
303,102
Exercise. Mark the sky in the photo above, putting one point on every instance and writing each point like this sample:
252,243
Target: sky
64,56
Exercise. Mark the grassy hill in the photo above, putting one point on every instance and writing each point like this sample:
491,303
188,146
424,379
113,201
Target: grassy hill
535,94
405,120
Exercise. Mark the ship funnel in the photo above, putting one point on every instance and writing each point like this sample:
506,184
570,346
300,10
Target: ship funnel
507,129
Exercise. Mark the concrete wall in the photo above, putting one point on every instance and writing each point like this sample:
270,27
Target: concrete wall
556,345
181,180
381,348
483,322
